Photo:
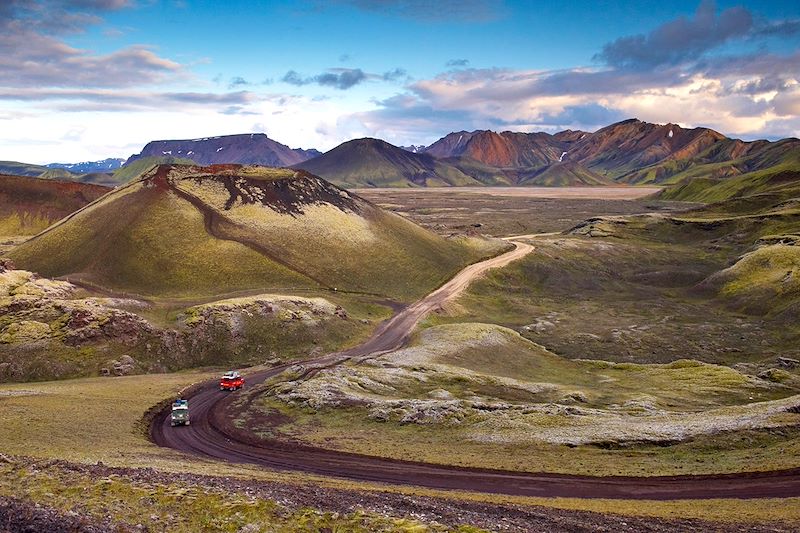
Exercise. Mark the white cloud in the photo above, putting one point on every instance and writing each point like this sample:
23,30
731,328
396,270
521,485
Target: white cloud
122,134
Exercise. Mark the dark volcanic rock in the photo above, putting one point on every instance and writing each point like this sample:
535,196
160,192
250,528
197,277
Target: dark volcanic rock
20,516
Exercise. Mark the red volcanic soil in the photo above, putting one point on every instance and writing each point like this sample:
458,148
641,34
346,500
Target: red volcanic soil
40,202
506,149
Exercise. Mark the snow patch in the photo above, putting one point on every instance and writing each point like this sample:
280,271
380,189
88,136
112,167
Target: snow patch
670,134
560,159
219,149
168,152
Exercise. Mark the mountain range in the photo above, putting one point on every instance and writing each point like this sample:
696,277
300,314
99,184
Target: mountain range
630,152
88,167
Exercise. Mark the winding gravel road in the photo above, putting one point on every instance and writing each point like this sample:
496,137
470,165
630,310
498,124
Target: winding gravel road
212,435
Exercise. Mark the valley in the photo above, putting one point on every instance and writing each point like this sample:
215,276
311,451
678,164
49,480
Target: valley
399,266
405,342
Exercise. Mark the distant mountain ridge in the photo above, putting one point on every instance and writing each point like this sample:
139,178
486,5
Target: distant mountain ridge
245,149
88,167
630,152
627,152
15,168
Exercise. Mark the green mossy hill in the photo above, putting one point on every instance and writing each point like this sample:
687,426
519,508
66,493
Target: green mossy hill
29,205
765,281
375,163
485,362
565,175
487,388
134,169
185,230
774,170
34,171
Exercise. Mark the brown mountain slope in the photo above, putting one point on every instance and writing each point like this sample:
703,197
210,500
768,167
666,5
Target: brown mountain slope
630,151
505,150
29,205
631,145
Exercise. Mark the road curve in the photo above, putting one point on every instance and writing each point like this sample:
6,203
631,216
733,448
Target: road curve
212,435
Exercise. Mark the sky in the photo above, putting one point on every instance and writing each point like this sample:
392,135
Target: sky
88,79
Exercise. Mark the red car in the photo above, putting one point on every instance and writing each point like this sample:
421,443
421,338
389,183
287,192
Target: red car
231,381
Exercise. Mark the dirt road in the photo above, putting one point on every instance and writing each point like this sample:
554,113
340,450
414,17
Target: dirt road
213,435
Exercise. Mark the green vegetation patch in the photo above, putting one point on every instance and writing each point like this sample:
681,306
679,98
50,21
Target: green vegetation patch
506,400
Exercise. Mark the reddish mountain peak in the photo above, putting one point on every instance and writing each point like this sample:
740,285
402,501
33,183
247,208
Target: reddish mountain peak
508,149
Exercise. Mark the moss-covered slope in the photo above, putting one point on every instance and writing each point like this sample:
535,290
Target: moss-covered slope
184,230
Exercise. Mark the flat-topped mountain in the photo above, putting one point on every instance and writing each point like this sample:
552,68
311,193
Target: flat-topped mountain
190,230
246,149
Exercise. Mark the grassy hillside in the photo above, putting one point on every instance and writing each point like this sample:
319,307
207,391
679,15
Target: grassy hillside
782,180
481,395
16,168
30,205
565,175
765,281
729,158
134,169
375,163
188,230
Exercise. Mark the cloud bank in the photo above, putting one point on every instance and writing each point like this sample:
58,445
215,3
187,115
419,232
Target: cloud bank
683,70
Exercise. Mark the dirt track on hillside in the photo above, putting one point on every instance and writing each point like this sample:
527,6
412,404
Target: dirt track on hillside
213,435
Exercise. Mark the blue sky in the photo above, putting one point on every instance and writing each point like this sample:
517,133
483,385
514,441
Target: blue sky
86,79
